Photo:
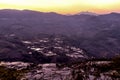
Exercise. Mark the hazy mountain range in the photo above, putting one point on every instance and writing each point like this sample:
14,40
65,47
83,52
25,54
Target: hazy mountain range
98,35
87,13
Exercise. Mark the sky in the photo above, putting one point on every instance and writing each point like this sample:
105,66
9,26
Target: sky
63,6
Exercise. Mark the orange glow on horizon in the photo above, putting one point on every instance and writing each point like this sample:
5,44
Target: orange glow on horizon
63,6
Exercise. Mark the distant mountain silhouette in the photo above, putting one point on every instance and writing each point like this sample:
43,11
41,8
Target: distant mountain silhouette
87,13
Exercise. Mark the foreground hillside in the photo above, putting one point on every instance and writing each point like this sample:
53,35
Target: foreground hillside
88,70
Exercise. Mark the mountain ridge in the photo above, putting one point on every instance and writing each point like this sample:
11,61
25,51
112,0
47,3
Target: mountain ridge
96,34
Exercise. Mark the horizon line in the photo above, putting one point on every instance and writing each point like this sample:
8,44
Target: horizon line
78,13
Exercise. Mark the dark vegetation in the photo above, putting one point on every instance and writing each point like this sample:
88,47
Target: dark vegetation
11,74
